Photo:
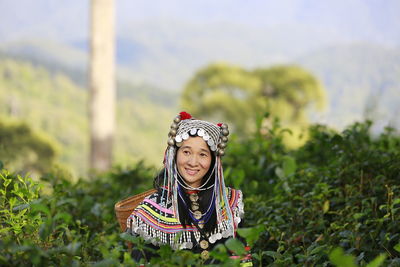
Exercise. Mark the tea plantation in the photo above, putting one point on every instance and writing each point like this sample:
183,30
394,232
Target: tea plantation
333,202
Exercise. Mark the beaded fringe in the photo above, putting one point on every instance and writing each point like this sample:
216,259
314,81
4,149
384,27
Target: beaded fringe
184,239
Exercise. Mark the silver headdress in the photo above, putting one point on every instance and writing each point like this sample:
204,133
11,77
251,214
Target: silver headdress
216,137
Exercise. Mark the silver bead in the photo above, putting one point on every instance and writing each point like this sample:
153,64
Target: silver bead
172,132
225,132
177,119
224,126
222,145
221,152
171,142
224,139
174,126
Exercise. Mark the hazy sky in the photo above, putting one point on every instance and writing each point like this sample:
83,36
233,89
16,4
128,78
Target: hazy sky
373,20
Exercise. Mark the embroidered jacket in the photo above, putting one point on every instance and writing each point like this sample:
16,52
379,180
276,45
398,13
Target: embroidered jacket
155,222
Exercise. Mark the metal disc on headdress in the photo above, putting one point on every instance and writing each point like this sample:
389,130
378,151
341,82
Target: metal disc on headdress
177,119
200,132
193,131
185,136
178,138
213,147
206,137
210,142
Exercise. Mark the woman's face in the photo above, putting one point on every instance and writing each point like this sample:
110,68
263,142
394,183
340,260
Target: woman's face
193,160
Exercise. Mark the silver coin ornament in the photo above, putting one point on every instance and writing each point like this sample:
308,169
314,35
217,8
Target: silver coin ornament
206,137
221,152
203,244
193,131
210,142
174,126
177,119
195,206
224,139
178,138
205,255
193,197
197,215
185,136
200,132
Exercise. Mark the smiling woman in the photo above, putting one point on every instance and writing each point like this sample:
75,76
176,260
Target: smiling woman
192,208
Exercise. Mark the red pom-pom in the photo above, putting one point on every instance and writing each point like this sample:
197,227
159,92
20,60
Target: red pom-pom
219,124
185,116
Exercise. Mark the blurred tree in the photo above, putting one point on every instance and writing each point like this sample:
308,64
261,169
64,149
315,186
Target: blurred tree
24,150
102,84
223,92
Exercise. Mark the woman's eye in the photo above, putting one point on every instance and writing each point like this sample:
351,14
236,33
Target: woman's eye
186,152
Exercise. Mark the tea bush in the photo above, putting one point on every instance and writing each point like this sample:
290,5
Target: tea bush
338,190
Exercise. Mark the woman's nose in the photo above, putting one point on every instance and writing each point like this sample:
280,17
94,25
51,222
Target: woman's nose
192,160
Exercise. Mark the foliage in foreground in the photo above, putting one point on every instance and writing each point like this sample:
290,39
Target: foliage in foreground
339,190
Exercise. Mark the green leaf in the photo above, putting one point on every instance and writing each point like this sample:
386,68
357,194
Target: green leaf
289,165
397,247
235,246
339,259
325,208
65,217
377,261
37,207
251,234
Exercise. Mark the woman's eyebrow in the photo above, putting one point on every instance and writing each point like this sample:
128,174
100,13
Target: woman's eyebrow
204,150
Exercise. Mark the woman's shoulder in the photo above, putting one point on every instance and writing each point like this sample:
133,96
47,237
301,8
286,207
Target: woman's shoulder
156,201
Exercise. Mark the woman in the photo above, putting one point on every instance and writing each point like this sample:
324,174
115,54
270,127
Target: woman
192,208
